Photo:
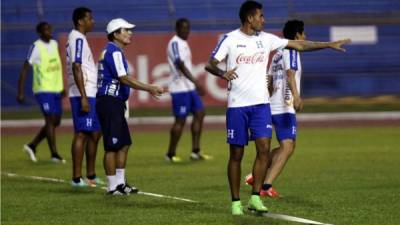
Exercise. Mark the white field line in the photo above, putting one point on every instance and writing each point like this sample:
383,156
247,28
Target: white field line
64,181
301,117
292,219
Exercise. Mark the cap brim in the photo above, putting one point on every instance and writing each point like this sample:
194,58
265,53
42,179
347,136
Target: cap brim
129,26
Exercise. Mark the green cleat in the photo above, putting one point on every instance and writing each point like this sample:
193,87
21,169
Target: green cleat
95,182
237,208
255,204
199,157
173,159
80,184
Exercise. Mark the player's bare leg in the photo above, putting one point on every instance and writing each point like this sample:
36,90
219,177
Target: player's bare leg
109,163
91,152
121,157
77,150
261,162
196,129
52,122
39,137
279,159
175,135
259,170
234,169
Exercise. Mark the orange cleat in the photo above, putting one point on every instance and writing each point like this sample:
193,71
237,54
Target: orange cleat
248,180
271,192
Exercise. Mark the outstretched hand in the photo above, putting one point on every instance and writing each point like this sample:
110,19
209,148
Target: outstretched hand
337,45
157,91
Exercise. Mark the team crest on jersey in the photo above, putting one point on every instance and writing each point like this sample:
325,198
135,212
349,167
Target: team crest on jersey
259,44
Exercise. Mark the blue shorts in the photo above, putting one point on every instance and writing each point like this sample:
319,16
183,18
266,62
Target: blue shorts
240,121
285,126
184,103
84,122
50,103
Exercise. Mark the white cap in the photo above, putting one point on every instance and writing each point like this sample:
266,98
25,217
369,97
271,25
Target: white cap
115,24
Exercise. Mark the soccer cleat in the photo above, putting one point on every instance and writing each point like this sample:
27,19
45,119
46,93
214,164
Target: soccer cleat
255,204
129,189
271,192
57,159
94,182
117,191
199,156
249,180
31,153
173,159
237,208
80,184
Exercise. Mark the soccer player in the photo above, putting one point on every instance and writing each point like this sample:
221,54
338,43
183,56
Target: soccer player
82,74
185,91
285,75
47,87
246,51
113,91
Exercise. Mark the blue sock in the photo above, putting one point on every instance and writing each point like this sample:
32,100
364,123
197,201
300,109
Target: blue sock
265,187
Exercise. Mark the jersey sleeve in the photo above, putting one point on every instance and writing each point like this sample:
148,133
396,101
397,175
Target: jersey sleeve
175,52
76,47
277,42
221,50
33,55
118,64
290,61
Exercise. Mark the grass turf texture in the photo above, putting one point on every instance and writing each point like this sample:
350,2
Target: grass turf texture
337,176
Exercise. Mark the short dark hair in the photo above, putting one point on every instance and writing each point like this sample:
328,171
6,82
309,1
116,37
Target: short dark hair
181,21
79,13
40,26
292,27
248,8
111,37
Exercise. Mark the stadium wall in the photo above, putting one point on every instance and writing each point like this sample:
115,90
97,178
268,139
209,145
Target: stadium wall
369,67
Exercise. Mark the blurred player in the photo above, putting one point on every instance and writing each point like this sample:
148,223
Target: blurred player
82,73
246,51
285,72
113,91
47,87
185,91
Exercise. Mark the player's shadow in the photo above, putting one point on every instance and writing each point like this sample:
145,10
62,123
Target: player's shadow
299,201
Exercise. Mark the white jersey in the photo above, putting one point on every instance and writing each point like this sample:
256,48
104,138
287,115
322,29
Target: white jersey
78,51
179,50
34,53
250,54
282,99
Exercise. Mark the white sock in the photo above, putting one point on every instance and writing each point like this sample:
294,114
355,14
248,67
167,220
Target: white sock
112,182
120,176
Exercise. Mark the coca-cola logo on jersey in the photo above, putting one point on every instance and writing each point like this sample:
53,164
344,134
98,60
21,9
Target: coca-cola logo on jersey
258,57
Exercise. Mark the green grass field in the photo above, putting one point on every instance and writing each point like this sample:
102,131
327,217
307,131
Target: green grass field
338,176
